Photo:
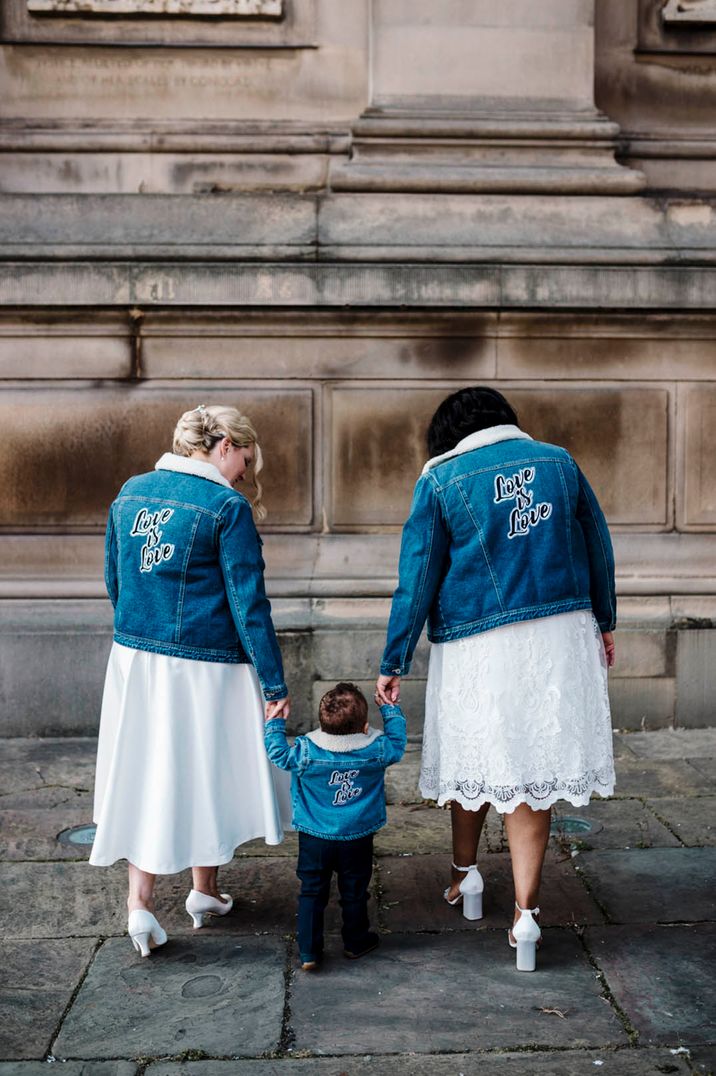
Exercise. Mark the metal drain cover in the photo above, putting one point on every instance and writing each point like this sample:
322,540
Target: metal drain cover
80,835
569,826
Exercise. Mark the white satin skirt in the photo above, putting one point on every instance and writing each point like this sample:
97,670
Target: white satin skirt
519,714
183,777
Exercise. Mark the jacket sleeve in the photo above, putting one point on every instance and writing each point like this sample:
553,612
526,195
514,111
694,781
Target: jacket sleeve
243,569
600,553
278,748
423,550
111,578
396,733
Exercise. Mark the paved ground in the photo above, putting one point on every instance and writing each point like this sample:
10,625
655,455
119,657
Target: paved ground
624,985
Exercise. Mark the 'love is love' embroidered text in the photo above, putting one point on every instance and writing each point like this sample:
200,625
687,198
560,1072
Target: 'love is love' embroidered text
346,790
148,525
526,513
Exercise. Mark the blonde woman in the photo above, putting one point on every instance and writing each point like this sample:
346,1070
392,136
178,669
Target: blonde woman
182,772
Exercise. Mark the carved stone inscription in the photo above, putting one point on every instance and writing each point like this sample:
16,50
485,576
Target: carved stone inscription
224,8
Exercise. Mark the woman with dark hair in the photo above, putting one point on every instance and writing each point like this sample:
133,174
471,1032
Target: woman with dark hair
506,553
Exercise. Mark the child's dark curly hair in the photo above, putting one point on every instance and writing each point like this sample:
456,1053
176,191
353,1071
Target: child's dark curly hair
343,710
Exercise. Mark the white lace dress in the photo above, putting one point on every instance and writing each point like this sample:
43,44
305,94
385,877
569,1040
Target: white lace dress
519,714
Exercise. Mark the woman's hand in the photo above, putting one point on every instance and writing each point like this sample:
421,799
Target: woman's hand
387,690
609,648
280,708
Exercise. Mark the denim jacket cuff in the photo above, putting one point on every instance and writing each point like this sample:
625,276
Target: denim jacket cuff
272,693
390,709
276,724
393,670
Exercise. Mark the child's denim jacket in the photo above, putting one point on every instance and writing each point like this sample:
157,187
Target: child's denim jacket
337,782
184,570
501,529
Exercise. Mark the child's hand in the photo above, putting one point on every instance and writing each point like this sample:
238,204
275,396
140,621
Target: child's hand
277,708
387,690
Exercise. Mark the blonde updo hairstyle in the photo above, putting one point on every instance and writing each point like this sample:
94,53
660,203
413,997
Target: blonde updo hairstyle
199,430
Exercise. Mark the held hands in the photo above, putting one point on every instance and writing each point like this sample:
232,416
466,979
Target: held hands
609,648
387,690
280,708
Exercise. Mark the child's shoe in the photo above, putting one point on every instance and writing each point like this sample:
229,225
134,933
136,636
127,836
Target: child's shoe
310,963
369,943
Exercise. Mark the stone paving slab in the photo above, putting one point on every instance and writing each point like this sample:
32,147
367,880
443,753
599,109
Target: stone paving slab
703,1060
34,763
69,1068
67,899
705,766
672,743
288,847
622,1062
32,834
412,892
645,777
616,824
657,885
452,992
692,819
193,994
418,830
47,798
38,979
662,976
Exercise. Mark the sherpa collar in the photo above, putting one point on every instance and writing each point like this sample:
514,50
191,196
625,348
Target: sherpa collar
184,465
343,744
490,436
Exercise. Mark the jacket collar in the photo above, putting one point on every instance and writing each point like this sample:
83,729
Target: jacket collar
490,436
343,744
185,465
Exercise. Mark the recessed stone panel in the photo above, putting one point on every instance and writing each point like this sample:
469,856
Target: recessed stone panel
69,451
698,459
101,348
618,436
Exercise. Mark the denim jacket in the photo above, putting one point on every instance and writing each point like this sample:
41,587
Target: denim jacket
337,782
184,570
501,529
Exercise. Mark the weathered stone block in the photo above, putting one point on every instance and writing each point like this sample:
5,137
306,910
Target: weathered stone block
630,885
643,654
640,963
366,424
697,489
56,349
39,978
403,977
197,994
123,432
644,702
696,678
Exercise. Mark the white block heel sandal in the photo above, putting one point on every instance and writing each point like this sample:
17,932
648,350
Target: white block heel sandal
524,937
471,889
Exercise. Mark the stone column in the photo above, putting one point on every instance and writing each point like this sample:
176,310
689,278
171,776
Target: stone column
484,95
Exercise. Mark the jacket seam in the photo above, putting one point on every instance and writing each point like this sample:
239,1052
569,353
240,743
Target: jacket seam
182,585
496,467
340,836
160,646
568,519
167,500
511,615
485,554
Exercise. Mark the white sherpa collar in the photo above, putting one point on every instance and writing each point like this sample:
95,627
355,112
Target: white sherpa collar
343,744
184,465
490,436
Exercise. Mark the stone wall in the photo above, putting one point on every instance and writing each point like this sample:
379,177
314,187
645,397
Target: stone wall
334,215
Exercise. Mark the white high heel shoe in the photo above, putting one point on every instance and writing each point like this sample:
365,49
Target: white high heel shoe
524,937
471,889
145,932
199,905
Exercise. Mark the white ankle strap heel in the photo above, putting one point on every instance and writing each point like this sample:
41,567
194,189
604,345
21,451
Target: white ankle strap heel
526,934
470,894
145,931
199,905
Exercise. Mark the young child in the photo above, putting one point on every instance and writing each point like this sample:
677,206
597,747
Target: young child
338,792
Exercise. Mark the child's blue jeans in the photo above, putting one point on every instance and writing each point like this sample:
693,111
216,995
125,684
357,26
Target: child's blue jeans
352,862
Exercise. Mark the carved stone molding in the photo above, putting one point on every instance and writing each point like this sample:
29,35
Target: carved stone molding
689,13
223,8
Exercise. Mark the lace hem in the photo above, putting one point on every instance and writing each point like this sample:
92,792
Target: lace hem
539,795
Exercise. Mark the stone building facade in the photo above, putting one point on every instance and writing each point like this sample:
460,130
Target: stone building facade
333,212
